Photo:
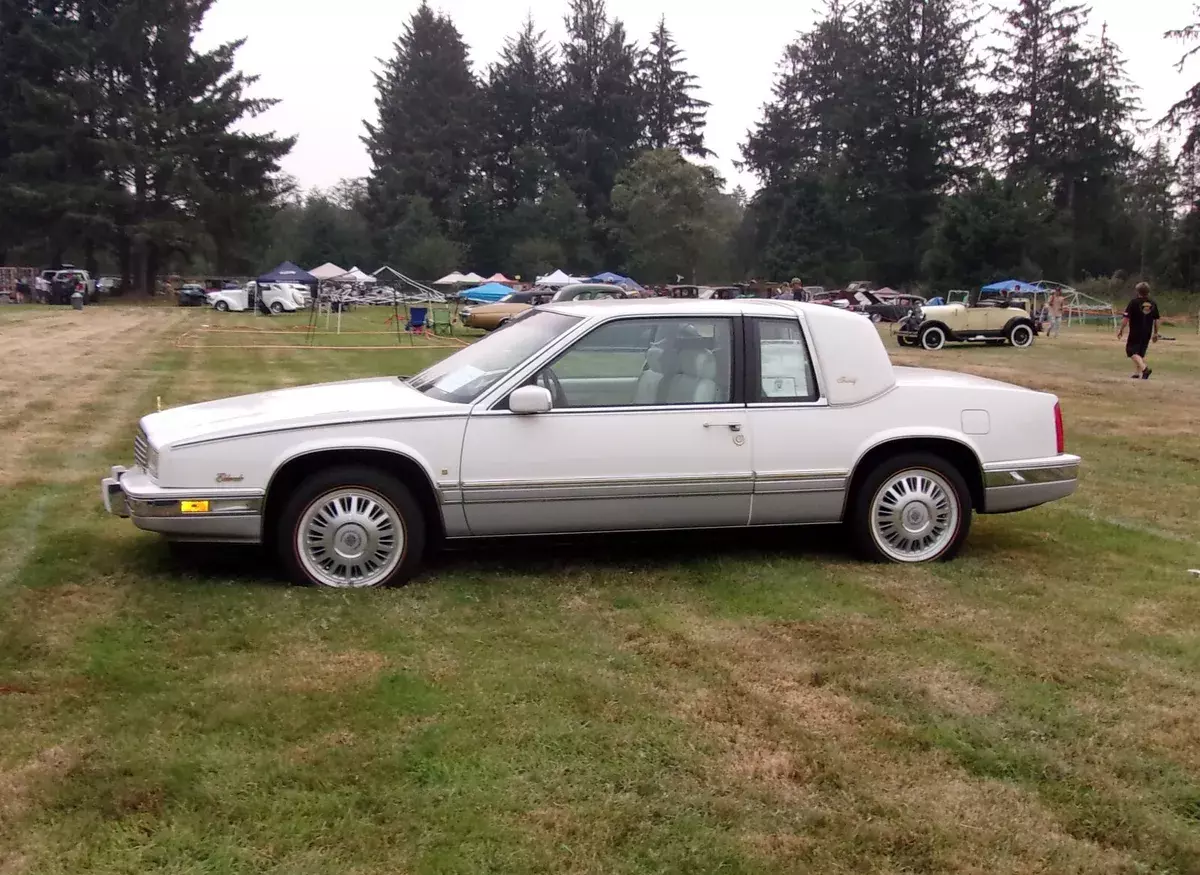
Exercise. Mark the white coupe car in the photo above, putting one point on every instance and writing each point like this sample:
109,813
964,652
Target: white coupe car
603,416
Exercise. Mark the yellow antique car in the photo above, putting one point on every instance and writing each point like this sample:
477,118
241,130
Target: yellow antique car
995,320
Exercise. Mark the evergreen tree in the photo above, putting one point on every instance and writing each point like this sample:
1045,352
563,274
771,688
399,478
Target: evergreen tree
1185,114
928,125
811,149
522,91
598,126
1155,201
421,146
673,116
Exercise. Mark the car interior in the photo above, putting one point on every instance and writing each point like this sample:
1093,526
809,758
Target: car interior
643,363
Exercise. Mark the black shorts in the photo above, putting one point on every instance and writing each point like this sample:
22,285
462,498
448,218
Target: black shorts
1137,347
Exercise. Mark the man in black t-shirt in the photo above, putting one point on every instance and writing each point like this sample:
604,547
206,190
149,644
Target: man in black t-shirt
1141,318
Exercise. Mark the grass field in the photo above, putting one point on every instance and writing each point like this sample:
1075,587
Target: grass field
690,703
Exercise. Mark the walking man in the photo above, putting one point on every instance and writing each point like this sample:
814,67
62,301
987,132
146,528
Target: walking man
1054,306
1141,318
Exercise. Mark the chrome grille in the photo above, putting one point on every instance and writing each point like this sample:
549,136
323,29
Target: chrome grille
141,451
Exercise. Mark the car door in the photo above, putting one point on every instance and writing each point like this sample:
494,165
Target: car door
800,458
648,431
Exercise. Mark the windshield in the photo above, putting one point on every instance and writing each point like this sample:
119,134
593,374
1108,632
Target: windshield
466,375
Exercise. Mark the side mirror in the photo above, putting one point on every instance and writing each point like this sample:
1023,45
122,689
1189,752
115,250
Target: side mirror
529,400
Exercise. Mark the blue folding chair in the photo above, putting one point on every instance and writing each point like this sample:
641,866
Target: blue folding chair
417,320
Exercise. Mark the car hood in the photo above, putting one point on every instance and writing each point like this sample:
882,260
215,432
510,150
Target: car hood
301,407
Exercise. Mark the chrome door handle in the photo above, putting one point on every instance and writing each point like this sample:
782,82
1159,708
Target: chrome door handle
732,426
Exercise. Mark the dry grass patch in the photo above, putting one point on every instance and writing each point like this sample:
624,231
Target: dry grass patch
19,783
780,705
58,616
78,376
299,668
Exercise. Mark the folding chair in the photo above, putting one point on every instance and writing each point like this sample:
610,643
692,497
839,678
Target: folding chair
417,320
441,323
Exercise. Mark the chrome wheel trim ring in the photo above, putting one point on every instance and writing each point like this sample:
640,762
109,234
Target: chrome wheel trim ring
914,516
350,538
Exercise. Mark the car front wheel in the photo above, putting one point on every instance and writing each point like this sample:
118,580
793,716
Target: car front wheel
221,307
933,338
1021,336
911,509
351,528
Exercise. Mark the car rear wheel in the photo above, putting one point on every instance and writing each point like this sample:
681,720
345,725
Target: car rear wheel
911,509
277,308
351,528
876,318
933,338
1021,336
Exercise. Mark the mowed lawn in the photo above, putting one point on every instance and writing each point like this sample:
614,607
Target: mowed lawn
730,702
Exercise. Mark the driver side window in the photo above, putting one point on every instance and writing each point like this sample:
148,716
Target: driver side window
645,362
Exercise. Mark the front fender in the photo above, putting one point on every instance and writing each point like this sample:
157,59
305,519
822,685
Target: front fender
320,445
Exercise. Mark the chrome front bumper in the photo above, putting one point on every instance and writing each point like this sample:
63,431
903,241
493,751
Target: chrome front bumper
1013,486
233,516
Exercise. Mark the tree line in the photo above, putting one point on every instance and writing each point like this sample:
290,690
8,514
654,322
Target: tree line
894,146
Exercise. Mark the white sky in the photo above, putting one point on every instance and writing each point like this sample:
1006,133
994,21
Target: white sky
318,57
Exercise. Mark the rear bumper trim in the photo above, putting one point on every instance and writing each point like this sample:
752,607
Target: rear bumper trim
1014,486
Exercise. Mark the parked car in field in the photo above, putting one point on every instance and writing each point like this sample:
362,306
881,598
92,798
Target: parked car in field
993,321
193,295
894,308
603,416
489,317
56,285
276,298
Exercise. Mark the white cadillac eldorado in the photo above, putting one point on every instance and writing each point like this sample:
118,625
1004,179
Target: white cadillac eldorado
603,416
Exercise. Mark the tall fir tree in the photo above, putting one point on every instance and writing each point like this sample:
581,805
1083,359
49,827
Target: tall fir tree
810,149
422,145
928,128
522,96
1184,115
599,125
674,117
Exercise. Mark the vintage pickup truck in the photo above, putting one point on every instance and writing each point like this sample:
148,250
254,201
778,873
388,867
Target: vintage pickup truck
603,416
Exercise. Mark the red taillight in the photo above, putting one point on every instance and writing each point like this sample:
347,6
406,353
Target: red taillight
1059,434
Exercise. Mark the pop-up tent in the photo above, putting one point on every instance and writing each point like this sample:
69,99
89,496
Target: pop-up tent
615,279
558,278
1013,286
354,275
450,279
288,273
473,278
327,271
500,278
489,293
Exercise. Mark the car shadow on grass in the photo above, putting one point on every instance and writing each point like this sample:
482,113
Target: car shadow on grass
492,559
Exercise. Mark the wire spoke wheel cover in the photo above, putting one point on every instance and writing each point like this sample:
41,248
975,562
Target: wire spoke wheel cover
914,516
350,538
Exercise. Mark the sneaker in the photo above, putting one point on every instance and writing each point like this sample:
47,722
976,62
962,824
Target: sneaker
1136,377
1146,373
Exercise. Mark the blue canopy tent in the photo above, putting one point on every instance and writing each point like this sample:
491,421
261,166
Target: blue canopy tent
288,273
488,293
1013,285
615,279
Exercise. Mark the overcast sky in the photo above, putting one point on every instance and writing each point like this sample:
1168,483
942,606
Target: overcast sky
318,58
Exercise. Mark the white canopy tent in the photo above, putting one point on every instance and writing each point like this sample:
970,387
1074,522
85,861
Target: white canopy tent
558,278
354,275
450,279
473,279
327,271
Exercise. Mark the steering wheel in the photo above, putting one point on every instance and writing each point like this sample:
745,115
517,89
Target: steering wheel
549,381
